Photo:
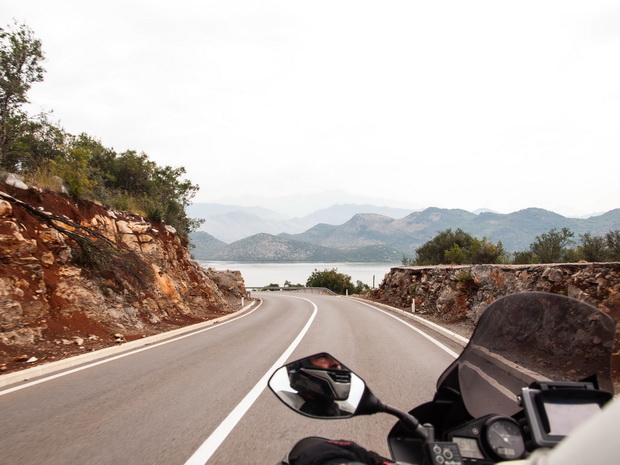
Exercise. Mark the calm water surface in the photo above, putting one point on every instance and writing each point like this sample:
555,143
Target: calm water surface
262,274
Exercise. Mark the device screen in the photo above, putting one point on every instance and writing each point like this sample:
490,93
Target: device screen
564,417
468,447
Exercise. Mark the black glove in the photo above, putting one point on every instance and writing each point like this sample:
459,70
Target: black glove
336,453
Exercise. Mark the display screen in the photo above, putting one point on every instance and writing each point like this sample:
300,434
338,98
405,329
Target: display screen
468,447
564,417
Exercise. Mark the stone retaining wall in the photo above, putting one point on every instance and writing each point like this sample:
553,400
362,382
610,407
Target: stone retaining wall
463,292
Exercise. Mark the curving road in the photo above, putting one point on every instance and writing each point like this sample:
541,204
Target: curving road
202,396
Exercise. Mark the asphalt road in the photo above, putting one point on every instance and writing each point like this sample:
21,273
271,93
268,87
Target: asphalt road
204,397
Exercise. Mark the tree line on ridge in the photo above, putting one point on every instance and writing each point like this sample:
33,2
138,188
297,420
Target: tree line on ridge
555,246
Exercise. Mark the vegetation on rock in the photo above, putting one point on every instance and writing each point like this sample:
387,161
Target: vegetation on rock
46,155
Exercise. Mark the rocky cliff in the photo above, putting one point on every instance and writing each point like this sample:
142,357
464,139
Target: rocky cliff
75,276
459,294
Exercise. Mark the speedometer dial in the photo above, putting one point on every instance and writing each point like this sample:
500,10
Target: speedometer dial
504,438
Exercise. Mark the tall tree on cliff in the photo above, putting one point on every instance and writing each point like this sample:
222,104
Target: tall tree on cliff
20,66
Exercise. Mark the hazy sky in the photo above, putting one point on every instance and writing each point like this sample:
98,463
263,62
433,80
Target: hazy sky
457,104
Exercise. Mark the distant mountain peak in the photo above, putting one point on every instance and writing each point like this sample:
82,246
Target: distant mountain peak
483,210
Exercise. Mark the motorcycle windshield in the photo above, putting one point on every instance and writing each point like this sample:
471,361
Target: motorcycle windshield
522,338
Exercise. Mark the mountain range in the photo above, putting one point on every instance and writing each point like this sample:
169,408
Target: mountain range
230,223
366,232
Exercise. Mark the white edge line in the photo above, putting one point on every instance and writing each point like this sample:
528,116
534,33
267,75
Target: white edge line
217,437
125,354
440,329
422,333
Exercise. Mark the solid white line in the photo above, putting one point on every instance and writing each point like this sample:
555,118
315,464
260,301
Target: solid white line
422,333
125,354
217,437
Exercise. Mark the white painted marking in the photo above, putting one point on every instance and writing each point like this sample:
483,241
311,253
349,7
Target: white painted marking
422,333
217,437
126,354
505,391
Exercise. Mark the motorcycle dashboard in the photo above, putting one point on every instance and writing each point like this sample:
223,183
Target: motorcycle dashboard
489,439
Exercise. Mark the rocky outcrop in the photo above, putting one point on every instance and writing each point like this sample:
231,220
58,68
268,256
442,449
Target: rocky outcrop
463,292
78,276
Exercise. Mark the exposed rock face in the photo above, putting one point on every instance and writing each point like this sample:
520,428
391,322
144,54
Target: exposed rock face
461,293
72,271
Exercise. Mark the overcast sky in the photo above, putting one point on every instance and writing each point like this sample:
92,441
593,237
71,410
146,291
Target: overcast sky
455,104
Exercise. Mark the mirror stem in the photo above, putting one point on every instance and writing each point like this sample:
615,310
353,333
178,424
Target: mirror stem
409,422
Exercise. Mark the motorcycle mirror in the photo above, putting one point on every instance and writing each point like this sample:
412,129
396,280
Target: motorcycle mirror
319,386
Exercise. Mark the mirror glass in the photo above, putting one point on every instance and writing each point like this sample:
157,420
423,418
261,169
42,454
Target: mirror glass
318,386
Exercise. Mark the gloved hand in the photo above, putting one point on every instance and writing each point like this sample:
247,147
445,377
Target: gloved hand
338,452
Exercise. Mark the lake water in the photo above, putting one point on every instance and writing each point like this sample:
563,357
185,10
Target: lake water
262,274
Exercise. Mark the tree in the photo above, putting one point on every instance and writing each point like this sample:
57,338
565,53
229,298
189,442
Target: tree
434,251
132,181
613,245
592,248
336,282
20,66
455,255
525,257
34,142
360,287
173,195
552,246
458,247
485,252
74,168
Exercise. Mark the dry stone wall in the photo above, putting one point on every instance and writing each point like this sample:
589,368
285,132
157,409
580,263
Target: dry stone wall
463,292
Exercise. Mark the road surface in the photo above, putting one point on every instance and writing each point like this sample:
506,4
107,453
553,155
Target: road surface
203,397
